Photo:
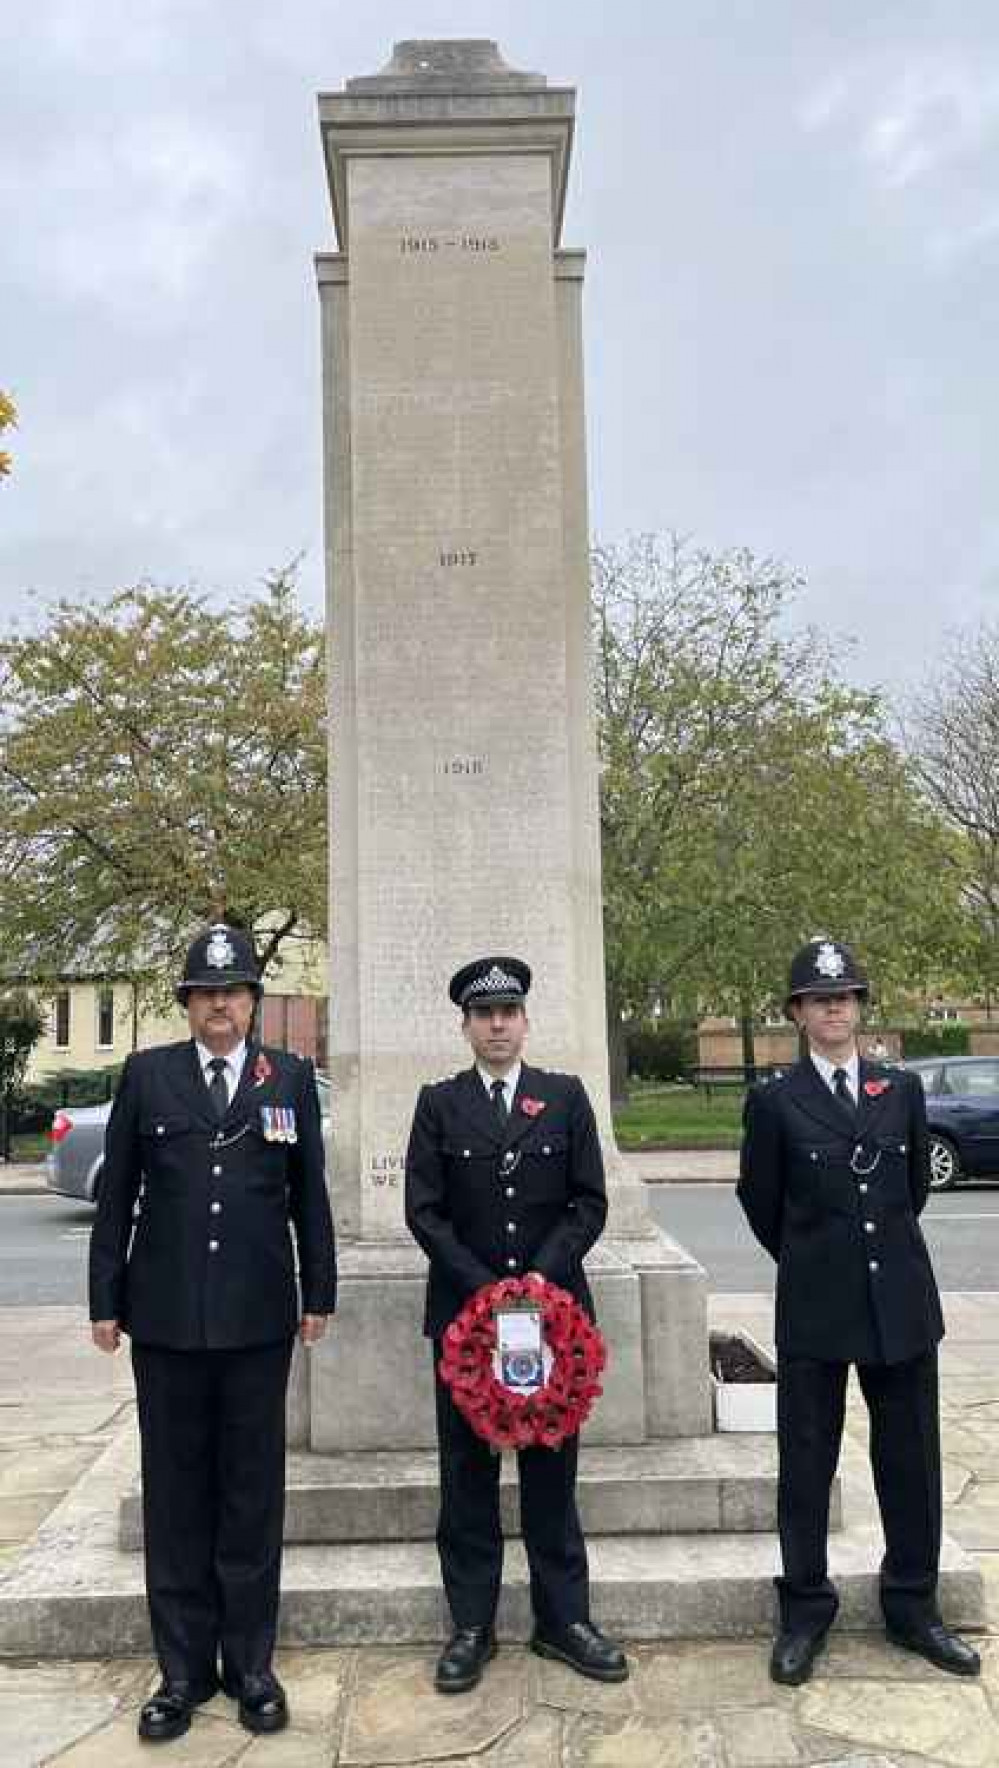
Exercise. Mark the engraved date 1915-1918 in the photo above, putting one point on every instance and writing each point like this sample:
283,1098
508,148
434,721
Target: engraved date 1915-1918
413,245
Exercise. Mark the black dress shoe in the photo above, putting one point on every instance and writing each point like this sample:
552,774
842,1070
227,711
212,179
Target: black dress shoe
263,1704
584,1648
461,1663
795,1650
935,1642
167,1713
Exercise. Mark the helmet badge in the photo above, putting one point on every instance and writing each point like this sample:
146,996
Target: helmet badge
829,961
219,953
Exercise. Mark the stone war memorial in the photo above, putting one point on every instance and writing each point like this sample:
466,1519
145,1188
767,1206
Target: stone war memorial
464,820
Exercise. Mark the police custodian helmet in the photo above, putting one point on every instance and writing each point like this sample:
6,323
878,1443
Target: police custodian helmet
825,967
220,957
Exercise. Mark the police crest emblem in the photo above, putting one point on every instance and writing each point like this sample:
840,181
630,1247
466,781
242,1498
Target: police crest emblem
828,961
219,953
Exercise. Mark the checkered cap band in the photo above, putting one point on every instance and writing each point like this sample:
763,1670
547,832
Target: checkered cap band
494,982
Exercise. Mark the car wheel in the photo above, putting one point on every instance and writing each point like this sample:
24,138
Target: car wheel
945,1164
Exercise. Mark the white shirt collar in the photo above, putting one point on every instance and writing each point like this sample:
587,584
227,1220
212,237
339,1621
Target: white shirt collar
827,1069
234,1060
509,1079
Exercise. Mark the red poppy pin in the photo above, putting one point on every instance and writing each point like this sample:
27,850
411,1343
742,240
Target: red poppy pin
532,1107
262,1070
875,1088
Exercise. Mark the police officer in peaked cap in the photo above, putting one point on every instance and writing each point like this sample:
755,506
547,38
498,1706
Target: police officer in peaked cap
504,1177
213,1162
834,1174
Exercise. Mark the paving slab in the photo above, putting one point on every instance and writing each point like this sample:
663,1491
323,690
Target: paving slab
950,1724
396,1715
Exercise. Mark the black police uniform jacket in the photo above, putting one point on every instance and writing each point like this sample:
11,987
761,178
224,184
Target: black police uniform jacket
835,1199
487,1200
203,1258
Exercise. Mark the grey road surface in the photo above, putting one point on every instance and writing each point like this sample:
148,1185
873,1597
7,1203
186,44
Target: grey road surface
43,1242
961,1228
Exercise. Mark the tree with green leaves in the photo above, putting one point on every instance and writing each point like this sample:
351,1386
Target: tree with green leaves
749,799
8,418
162,763
952,731
21,1025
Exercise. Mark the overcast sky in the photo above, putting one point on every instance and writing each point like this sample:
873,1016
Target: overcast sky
791,209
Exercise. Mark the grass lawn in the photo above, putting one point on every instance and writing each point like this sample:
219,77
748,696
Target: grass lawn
679,1117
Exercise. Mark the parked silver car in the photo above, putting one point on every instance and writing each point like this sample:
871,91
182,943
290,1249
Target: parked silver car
75,1161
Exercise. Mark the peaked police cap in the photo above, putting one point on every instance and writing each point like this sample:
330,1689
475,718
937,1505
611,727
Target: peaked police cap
490,982
220,957
825,967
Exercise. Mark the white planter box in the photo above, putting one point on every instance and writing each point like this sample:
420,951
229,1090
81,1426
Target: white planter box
746,1405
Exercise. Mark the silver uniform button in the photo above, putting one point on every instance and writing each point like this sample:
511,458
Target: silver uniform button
873,1265
161,1129
813,1155
216,1209
901,1147
216,1172
511,1191
511,1227
871,1227
467,1153
863,1190
546,1149
511,1264
213,1246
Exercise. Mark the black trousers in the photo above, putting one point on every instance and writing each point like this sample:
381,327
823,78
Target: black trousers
469,1537
212,1425
902,1405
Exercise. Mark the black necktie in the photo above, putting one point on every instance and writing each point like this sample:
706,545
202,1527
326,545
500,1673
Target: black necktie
218,1092
842,1090
498,1091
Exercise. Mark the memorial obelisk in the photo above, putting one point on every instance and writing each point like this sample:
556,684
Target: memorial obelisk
463,756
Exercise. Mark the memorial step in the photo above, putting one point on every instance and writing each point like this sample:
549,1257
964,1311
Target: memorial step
72,1592
691,1486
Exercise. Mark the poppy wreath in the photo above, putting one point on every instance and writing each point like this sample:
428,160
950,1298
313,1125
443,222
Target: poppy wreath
509,1420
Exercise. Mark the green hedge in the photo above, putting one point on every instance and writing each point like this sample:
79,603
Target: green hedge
949,1038
662,1050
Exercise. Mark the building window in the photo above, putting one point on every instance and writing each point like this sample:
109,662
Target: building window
105,1018
62,1019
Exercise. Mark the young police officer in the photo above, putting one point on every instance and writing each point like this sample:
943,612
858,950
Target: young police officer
225,1139
834,1175
504,1177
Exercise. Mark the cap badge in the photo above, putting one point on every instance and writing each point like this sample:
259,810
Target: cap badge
493,982
219,953
829,961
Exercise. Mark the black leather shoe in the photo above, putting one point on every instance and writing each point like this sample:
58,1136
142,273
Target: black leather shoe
795,1650
263,1704
584,1648
935,1642
463,1659
167,1713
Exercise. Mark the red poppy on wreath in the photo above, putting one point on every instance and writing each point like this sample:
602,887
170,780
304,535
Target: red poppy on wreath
532,1107
262,1070
875,1088
509,1420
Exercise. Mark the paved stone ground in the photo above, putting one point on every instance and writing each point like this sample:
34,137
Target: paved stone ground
700,1704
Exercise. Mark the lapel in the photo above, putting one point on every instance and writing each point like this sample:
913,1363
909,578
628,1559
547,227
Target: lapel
240,1100
871,1108
188,1082
812,1094
528,1086
474,1103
